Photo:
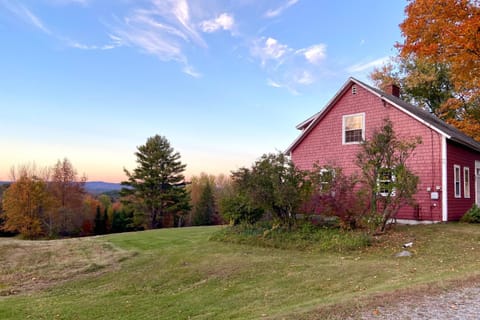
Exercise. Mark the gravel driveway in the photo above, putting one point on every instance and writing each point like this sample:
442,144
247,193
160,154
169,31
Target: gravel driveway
460,303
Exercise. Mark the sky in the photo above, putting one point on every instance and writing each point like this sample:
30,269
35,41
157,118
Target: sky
225,81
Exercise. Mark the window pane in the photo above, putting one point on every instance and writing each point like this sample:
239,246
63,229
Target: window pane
353,136
466,182
353,122
457,186
385,178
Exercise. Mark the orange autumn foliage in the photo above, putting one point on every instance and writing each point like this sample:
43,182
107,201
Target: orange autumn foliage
26,204
447,32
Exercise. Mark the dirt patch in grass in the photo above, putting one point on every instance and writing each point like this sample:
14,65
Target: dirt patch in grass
28,266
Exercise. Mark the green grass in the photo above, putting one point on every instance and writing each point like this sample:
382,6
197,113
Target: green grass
181,274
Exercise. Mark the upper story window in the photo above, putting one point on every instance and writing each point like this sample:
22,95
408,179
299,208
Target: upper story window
353,128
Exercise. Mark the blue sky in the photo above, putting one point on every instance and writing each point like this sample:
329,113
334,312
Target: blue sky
224,80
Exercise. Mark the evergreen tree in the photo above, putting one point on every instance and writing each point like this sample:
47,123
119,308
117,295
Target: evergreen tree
129,222
156,188
118,222
99,223
205,208
106,225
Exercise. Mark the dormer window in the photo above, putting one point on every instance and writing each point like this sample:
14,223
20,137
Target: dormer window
353,128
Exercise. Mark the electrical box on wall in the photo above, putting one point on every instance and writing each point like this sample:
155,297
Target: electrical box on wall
434,195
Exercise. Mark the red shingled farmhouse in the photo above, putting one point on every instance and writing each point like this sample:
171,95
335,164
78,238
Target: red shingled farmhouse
447,161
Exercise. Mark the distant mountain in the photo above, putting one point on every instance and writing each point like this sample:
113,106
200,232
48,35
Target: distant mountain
97,187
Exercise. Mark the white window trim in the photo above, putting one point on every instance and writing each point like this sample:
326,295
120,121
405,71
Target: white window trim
466,182
392,179
343,127
457,179
324,171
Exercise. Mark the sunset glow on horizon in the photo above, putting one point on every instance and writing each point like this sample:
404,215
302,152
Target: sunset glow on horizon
223,81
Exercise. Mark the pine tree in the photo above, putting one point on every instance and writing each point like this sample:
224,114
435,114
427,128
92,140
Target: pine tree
99,223
118,221
156,188
106,226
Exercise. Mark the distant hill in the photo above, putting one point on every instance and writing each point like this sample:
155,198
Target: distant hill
94,187
97,187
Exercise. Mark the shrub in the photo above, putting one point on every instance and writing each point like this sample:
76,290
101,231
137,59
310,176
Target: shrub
275,184
238,210
305,237
337,195
472,215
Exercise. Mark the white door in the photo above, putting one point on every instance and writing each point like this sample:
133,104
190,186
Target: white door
477,183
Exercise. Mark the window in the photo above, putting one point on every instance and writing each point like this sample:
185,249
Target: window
456,181
385,181
353,128
466,182
327,178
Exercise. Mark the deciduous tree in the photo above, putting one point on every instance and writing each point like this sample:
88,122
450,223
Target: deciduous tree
26,204
205,212
447,33
274,184
383,163
424,84
69,191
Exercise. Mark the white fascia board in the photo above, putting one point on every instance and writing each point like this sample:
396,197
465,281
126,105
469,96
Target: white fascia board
444,180
405,111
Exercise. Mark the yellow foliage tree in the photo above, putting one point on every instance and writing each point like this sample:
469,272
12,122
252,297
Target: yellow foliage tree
26,205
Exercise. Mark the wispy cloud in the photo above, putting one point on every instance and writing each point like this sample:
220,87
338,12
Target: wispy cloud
360,67
163,29
68,2
274,84
287,67
224,21
314,54
187,69
272,13
115,42
269,49
279,85
27,16
304,77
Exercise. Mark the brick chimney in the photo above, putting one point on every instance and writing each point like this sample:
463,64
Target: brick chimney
393,89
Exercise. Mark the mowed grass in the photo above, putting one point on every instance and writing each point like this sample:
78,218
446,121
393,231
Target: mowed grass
181,274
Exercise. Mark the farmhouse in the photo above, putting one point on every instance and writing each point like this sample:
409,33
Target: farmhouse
447,161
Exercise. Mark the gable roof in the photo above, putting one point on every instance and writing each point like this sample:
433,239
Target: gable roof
417,113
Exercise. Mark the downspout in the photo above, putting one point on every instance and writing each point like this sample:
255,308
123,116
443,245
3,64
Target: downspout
444,180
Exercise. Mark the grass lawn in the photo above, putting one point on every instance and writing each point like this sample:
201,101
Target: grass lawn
181,274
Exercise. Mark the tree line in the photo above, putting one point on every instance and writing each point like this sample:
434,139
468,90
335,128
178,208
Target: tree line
53,202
